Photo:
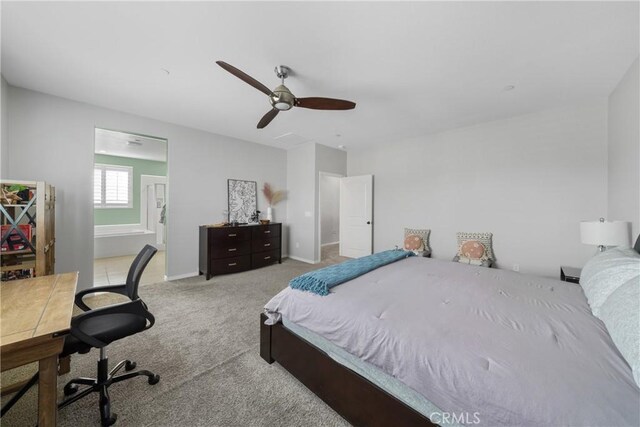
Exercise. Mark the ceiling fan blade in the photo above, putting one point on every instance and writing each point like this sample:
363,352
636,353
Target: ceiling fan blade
266,119
316,103
245,77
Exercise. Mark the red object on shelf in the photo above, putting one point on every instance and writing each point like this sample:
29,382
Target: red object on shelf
15,242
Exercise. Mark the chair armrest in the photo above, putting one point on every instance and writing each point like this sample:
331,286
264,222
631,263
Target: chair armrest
136,307
113,289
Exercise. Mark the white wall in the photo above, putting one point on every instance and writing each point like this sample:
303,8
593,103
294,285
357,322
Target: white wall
304,165
329,209
624,151
328,160
4,126
529,180
52,139
301,201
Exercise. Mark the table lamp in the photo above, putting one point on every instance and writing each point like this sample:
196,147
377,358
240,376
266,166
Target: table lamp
604,233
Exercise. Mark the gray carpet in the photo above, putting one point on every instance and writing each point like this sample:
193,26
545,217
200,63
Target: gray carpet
204,346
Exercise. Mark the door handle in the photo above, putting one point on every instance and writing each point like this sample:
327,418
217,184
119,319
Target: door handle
233,250
368,222
267,244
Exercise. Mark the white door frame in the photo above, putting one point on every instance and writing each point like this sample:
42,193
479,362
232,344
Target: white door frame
319,221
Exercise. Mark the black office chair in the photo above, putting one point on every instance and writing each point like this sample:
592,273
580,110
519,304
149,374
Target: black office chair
97,328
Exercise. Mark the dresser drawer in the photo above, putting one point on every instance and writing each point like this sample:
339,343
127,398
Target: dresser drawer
230,248
260,245
265,258
231,234
231,265
266,231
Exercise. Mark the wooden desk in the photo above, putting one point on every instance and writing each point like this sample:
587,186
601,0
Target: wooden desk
35,316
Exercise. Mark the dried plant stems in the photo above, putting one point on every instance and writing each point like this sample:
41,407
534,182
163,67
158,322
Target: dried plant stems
273,197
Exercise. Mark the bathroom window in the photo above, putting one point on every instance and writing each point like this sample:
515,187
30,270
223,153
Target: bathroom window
112,186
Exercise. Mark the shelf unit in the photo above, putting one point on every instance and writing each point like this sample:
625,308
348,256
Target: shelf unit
36,257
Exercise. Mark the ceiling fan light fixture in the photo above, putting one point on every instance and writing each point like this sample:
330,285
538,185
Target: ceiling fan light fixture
282,106
283,99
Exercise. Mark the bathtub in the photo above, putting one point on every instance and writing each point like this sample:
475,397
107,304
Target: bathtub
120,240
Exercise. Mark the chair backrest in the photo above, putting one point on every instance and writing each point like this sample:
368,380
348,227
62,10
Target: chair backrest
137,268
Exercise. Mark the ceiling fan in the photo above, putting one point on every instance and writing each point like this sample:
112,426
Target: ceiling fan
282,99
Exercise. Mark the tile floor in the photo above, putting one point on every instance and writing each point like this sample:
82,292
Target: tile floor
113,271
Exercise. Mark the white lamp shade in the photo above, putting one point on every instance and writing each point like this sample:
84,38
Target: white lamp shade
605,233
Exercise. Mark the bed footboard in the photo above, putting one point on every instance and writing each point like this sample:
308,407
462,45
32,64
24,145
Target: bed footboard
355,398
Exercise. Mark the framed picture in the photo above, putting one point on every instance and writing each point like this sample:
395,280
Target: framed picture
243,199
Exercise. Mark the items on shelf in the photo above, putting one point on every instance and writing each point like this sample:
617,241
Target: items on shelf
12,240
27,229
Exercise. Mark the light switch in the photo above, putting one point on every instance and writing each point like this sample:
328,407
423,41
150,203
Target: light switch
307,214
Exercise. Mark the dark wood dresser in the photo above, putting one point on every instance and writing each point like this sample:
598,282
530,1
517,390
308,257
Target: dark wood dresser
245,247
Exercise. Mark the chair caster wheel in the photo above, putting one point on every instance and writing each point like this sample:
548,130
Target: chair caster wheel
154,379
110,421
70,389
130,366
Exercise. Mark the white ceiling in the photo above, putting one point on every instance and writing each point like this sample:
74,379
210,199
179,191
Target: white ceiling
412,68
121,144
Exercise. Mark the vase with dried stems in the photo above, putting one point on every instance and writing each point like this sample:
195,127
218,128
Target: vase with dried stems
273,197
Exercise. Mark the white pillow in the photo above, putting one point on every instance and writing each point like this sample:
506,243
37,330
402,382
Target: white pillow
621,314
605,272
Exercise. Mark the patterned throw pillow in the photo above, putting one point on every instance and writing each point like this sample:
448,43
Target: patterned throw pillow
475,249
419,246
413,242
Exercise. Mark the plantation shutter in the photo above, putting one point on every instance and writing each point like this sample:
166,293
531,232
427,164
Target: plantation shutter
115,184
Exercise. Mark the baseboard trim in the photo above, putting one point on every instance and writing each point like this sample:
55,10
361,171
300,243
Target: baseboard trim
329,244
308,261
181,276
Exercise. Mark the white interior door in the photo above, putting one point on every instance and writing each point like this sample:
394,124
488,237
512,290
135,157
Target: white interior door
356,216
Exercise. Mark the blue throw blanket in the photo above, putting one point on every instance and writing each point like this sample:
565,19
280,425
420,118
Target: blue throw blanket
320,281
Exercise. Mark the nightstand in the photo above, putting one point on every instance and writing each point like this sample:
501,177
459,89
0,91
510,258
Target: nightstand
570,274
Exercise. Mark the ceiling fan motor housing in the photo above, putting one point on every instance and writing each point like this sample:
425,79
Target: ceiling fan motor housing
283,99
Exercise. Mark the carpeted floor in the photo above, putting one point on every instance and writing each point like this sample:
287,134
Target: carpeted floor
204,346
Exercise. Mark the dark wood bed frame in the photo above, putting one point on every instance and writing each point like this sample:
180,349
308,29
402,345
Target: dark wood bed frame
355,398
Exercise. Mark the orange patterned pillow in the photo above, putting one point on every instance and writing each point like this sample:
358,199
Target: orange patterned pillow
473,249
413,243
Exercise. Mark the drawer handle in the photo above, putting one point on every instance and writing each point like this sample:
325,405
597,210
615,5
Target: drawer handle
232,264
267,231
267,244
232,250
267,257
232,235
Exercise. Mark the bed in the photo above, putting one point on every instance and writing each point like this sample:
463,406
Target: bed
427,342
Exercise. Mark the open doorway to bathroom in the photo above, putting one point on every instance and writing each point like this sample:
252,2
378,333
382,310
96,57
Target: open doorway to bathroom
329,217
129,200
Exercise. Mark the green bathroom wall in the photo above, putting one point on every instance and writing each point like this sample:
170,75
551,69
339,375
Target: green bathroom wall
109,216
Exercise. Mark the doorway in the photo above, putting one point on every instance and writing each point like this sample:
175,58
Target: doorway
329,216
153,190
130,199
